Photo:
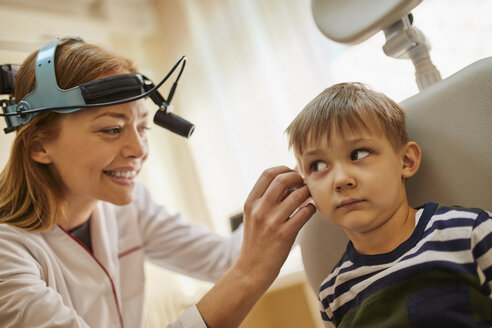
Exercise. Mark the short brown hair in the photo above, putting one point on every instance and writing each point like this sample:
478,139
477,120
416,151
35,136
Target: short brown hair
351,106
31,196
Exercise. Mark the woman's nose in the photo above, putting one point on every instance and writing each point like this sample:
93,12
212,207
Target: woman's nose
136,145
343,178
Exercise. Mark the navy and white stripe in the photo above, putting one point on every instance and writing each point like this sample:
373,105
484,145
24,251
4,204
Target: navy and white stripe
445,239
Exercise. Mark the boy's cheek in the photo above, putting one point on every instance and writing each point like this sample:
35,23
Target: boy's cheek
321,196
316,197
314,187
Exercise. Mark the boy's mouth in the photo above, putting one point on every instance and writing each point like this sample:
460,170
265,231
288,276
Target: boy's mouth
348,202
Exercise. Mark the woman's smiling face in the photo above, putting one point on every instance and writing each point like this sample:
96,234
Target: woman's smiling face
99,152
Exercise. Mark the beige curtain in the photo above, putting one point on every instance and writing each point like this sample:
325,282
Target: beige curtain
253,65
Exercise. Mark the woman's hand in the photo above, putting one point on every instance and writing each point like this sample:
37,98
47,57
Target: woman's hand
271,224
270,227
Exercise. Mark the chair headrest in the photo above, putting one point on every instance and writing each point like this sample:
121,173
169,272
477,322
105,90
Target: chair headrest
354,21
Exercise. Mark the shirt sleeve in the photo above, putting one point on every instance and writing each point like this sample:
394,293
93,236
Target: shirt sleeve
481,245
191,318
324,317
183,246
25,300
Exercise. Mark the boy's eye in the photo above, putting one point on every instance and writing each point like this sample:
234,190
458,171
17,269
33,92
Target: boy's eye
317,166
359,154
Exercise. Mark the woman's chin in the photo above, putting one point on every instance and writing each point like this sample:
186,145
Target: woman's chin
120,200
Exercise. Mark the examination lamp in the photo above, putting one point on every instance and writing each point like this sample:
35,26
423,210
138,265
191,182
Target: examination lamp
109,91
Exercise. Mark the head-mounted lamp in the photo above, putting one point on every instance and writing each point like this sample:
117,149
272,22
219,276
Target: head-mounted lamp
109,91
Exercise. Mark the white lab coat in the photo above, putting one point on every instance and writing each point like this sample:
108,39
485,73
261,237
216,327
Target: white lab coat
49,279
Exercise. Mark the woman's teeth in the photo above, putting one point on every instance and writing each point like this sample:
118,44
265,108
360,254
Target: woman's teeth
125,175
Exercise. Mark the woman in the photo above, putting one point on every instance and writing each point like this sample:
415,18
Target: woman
76,227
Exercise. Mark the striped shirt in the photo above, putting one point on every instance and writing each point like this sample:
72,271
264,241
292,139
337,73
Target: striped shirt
441,276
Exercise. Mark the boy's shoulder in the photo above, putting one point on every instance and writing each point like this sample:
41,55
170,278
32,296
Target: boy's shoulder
438,216
446,208
457,211
451,225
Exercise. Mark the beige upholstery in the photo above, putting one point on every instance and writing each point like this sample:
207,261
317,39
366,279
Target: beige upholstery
322,243
452,122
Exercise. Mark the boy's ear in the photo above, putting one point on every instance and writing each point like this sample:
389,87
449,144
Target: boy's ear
39,154
411,156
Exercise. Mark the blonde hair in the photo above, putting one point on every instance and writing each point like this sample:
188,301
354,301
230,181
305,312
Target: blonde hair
31,196
347,106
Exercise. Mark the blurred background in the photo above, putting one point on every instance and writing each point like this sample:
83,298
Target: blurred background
252,66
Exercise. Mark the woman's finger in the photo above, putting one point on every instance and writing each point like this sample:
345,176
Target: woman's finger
289,205
265,180
282,185
298,219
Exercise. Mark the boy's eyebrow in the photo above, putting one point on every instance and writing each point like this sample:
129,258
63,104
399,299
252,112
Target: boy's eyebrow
312,152
357,140
317,151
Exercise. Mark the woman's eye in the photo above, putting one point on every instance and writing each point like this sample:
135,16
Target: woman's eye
317,166
111,131
359,154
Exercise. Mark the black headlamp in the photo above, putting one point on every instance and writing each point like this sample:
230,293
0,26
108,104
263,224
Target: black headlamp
109,91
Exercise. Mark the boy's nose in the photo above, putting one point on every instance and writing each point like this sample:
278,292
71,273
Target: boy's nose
343,179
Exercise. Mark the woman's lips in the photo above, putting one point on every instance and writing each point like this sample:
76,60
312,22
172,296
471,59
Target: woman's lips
130,174
122,176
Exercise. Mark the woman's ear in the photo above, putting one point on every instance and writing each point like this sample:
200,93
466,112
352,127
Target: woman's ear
411,156
39,154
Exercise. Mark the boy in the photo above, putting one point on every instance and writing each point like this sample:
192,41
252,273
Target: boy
403,267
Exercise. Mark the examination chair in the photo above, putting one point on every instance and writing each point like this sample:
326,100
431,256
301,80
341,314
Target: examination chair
450,119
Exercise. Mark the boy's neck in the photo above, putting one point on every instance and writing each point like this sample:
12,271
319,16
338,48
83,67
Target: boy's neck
388,236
